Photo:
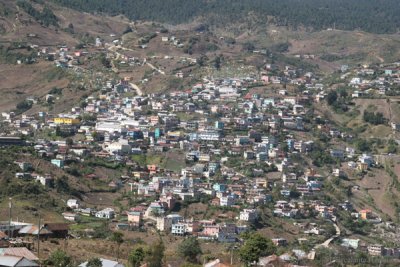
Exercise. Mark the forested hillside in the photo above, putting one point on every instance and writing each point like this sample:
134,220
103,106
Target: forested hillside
378,16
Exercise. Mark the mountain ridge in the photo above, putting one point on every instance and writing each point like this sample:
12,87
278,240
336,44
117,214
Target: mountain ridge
370,16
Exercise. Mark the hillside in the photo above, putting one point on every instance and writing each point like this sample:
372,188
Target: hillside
373,16
230,124
28,23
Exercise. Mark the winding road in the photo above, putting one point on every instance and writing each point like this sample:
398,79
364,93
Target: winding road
113,49
329,240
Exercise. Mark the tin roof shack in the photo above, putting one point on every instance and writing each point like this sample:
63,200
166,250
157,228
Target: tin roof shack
58,230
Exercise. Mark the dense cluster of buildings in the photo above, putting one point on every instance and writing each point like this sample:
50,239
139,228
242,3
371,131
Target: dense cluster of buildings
240,148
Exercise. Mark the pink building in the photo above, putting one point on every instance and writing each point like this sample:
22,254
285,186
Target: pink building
135,218
265,79
169,200
211,230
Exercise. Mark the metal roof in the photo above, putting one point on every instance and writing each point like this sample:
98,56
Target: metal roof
18,252
13,261
33,230
105,263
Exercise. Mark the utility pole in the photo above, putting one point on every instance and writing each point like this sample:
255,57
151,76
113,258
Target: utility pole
232,249
38,239
9,217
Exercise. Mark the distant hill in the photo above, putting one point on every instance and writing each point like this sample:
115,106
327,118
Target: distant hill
377,16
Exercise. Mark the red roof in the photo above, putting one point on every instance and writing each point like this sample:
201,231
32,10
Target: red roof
247,96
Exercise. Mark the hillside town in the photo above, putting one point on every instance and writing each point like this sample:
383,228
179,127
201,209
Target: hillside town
144,144
249,155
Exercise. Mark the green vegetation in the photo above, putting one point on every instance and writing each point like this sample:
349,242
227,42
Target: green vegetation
118,239
86,222
338,100
296,62
321,157
371,16
94,262
254,247
98,162
190,249
392,146
62,186
156,255
136,257
55,91
362,145
10,55
144,160
395,179
55,74
60,259
46,17
5,11
146,38
23,106
373,118
361,227
330,57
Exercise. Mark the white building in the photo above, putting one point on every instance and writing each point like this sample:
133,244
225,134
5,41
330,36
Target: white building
226,201
104,263
350,243
248,215
367,159
178,229
73,203
164,224
209,135
108,126
69,216
107,213
120,147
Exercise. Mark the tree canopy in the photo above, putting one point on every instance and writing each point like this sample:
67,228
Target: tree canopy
60,259
117,238
190,249
94,262
156,255
367,15
46,17
136,257
254,247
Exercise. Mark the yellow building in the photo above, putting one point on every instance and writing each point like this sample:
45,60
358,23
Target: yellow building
365,214
174,134
69,121
362,166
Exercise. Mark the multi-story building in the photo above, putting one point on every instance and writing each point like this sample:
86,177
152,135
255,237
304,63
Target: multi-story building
375,250
226,201
248,215
209,135
178,229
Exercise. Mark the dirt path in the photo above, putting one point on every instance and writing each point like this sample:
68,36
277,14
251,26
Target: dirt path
154,68
138,90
